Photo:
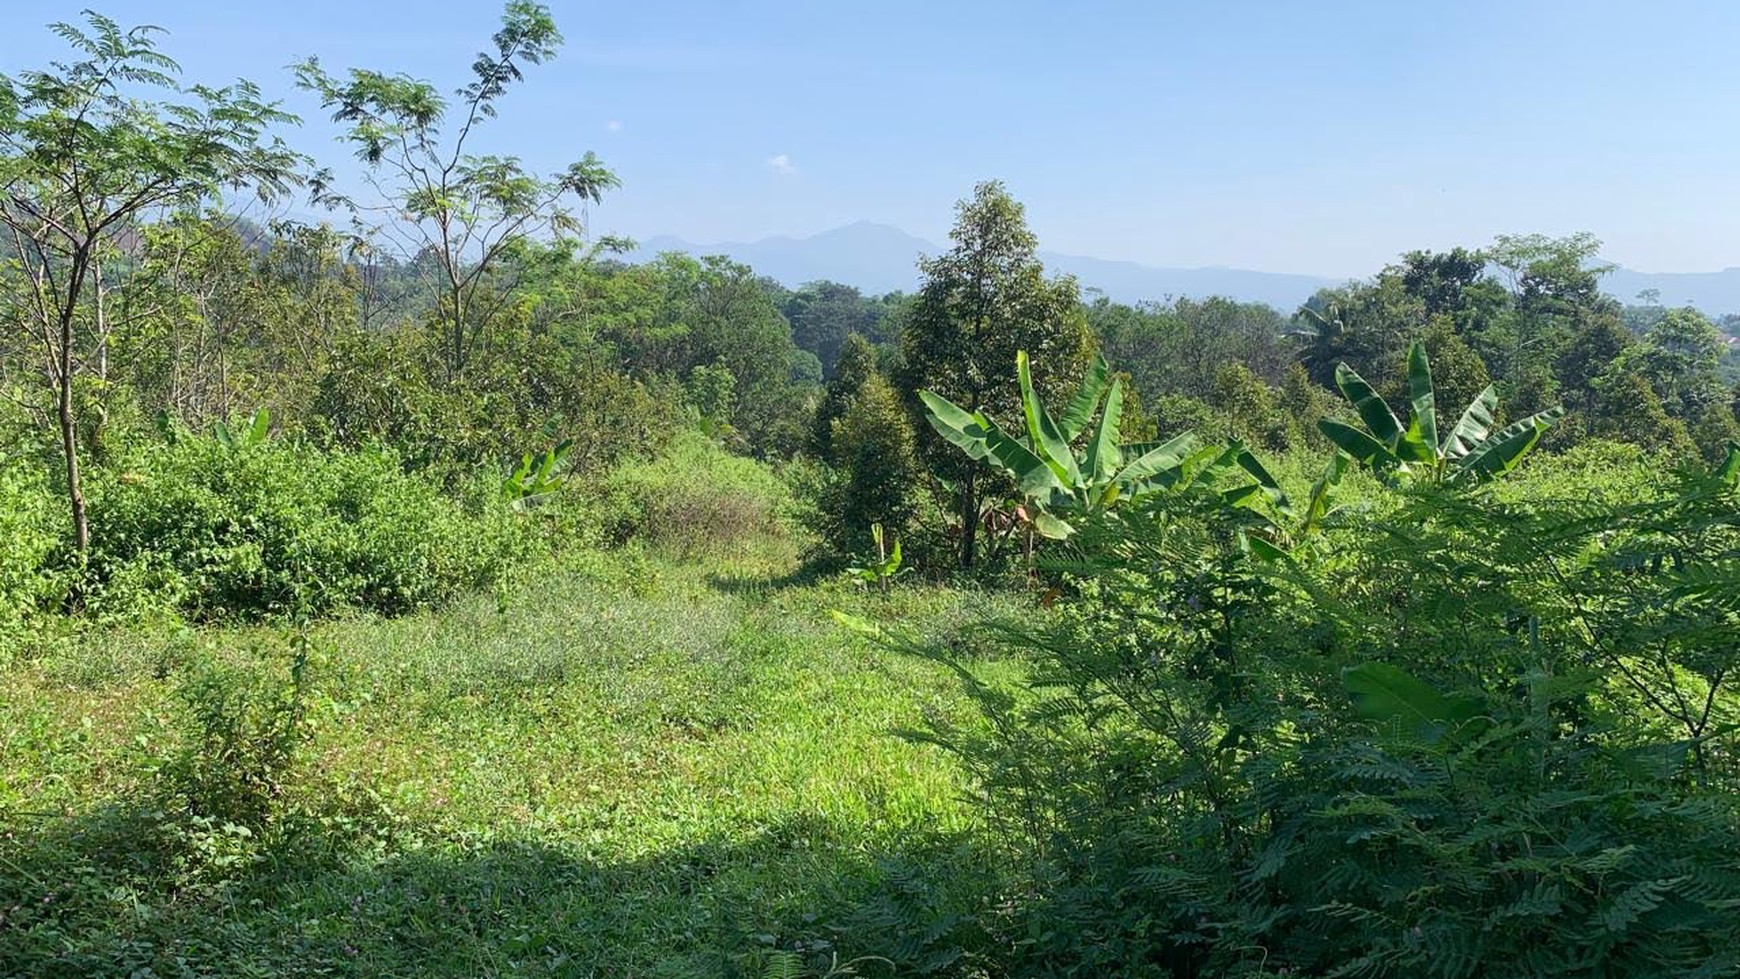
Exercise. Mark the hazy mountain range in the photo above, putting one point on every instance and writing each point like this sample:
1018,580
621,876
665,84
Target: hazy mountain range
879,258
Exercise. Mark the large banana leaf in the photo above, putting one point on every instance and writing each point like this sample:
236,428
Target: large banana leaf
958,426
1080,411
1378,418
1421,440
1318,506
1103,456
1265,481
1474,425
1032,474
1047,439
1500,453
982,440
1152,460
1384,693
1362,447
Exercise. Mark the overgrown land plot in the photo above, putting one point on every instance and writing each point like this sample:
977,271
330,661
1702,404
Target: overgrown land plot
624,765
433,586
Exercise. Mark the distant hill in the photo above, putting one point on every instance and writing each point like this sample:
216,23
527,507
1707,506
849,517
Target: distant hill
879,258
1715,293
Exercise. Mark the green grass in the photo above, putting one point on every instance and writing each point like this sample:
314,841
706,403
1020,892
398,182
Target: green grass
623,765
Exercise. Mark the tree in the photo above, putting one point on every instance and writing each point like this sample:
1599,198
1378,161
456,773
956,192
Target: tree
856,364
85,159
823,314
983,301
440,201
1441,280
874,444
1678,356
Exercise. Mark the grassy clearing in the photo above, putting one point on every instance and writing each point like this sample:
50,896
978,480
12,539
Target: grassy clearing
622,765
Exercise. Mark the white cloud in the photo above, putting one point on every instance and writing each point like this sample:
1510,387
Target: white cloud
781,163
614,125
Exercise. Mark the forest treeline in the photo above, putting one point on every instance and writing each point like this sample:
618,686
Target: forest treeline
1304,672
461,318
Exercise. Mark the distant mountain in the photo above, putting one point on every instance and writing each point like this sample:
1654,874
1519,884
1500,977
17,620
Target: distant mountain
879,258
1132,282
1715,293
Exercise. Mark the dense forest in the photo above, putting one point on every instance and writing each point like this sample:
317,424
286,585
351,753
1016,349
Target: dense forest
419,588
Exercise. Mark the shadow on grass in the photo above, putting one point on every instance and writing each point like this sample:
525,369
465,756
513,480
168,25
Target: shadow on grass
808,573
128,893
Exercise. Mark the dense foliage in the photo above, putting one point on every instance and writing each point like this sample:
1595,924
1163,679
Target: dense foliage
1462,735
429,591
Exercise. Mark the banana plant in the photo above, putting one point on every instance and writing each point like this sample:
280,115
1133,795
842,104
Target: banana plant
259,428
887,565
1057,480
1469,452
536,478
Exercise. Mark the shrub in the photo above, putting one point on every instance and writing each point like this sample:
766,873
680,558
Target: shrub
213,531
1467,736
243,729
875,447
28,536
694,498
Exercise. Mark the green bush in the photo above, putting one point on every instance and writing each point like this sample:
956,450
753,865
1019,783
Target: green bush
198,528
1465,735
694,498
243,729
28,536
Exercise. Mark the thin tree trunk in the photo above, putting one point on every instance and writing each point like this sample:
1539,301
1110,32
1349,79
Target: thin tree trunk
969,515
69,433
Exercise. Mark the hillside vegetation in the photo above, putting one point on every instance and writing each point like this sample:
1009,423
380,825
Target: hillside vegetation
429,592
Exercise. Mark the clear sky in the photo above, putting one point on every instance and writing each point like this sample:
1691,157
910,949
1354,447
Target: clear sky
1320,137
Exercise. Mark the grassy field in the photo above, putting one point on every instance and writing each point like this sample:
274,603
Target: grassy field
622,765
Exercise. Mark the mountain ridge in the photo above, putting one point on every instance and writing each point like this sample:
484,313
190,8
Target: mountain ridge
879,258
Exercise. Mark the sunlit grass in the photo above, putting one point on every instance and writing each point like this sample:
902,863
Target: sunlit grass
622,765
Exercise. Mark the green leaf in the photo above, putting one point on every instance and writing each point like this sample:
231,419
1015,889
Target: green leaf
1362,447
1270,486
1051,527
1080,410
1378,418
1103,455
1422,435
1472,428
1047,439
1729,471
1152,461
1033,476
1262,549
1318,506
1382,692
956,425
1501,453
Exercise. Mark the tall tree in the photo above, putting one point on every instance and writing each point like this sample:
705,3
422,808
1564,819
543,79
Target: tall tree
983,301
438,199
85,158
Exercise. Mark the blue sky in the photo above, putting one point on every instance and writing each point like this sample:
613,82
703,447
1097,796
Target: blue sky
1285,136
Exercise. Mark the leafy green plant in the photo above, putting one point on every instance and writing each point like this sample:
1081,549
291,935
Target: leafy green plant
244,730
1060,482
536,478
1475,735
1466,453
885,568
200,529
258,430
